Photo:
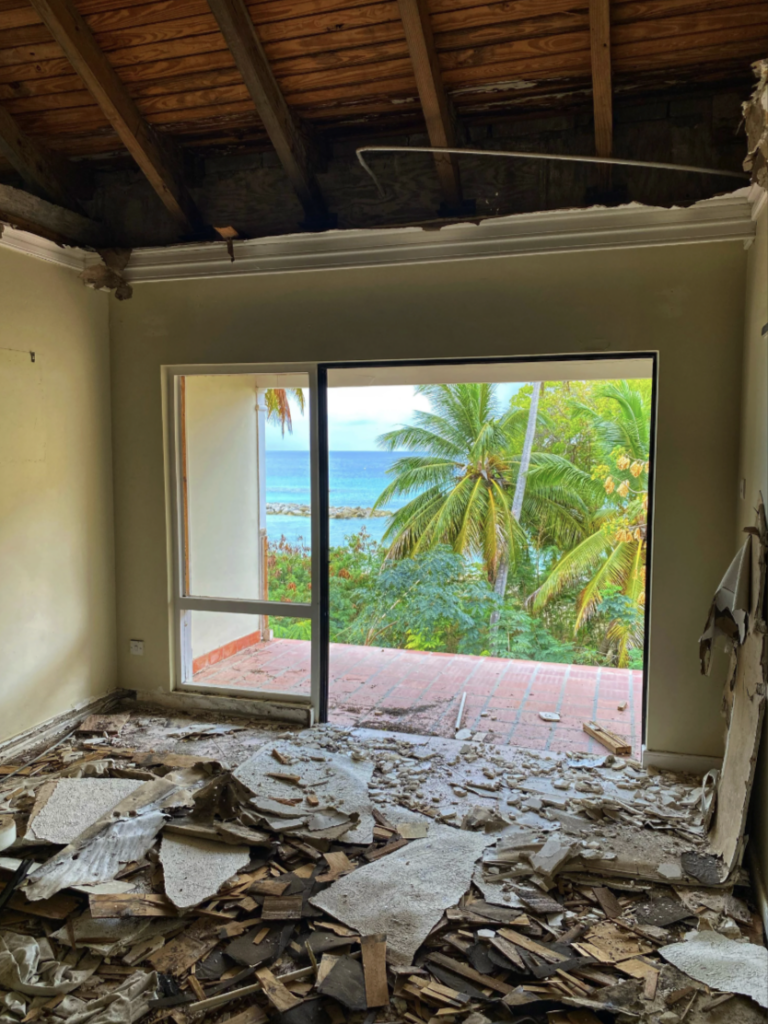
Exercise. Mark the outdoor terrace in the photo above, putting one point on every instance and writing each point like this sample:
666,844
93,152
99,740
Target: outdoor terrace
420,692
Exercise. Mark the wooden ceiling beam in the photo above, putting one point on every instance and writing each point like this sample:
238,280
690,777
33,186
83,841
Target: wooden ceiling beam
154,155
291,144
38,216
602,90
42,171
434,100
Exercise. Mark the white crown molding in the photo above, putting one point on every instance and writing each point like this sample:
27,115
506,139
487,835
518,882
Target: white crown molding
43,249
726,218
714,220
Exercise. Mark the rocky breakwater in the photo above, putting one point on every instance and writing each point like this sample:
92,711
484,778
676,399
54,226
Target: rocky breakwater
338,512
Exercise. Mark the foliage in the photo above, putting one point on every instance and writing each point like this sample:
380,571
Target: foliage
278,403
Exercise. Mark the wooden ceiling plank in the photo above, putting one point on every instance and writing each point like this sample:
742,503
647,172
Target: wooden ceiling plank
31,213
289,140
602,89
153,156
41,171
437,111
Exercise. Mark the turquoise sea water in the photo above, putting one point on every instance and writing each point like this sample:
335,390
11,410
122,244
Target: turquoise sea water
355,478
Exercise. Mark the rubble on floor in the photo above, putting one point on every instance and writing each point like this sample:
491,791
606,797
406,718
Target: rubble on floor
328,875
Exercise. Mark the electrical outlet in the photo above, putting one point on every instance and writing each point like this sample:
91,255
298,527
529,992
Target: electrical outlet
136,646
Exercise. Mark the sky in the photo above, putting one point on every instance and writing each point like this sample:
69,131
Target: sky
357,416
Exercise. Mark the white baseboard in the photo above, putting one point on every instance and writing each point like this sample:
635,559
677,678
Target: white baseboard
693,764
53,728
245,707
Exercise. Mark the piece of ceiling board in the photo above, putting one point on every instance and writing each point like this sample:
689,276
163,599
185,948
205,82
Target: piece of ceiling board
602,89
432,95
285,133
195,869
151,153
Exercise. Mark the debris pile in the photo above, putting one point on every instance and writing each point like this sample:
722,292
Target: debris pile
332,876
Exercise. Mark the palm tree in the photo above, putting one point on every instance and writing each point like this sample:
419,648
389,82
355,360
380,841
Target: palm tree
612,554
278,402
457,478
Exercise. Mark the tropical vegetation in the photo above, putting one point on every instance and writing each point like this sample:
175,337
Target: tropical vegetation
521,531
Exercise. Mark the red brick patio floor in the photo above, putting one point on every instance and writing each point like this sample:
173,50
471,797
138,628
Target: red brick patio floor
420,692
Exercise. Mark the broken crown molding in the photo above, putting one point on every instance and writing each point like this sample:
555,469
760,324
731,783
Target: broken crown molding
667,761
70,256
726,218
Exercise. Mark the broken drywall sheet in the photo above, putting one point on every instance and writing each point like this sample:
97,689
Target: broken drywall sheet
122,835
724,964
405,893
321,789
496,890
195,869
729,612
66,808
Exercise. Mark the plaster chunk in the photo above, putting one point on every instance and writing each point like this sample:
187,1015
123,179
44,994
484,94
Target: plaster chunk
195,869
722,964
70,806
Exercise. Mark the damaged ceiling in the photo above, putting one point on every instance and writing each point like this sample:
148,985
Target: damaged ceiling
144,123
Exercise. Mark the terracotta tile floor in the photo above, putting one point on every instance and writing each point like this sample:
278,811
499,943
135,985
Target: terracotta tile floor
420,692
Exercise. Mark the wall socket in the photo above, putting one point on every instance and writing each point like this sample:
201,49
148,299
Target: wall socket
136,646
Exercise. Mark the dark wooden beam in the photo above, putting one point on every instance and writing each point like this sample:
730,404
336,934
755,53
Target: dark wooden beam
602,92
434,101
285,133
153,154
43,172
38,216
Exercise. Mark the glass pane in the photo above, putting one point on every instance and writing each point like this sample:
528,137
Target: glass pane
245,491
248,652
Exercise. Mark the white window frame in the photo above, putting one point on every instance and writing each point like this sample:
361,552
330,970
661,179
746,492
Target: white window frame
183,604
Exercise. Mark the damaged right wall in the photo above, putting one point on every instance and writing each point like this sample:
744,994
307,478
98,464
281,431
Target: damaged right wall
753,470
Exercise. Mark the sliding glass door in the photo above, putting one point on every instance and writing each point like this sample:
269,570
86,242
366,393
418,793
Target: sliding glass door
247,530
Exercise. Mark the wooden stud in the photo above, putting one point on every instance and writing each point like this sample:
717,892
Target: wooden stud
30,213
151,153
602,92
615,743
374,953
41,170
434,101
291,145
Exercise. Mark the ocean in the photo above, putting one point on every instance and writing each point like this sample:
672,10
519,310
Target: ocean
355,478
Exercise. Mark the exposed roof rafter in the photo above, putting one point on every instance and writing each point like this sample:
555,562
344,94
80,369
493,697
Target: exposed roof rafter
602,90
41,170
434,101
290,142
153,154
39,217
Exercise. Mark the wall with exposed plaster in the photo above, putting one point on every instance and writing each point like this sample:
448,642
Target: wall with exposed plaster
57,587
754,459
686,301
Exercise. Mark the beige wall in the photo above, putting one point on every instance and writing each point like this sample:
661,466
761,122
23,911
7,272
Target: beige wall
685,301
223,503
57,592
754,462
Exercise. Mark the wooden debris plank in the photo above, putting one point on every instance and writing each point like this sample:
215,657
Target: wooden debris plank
270,886
253,1015
282,908
608,902
275,991
382,851
186,949
470,974
550,955
131,905
616,744
338,864
507,949
374,952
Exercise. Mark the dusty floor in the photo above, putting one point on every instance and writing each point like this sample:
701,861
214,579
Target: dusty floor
420,692
576,849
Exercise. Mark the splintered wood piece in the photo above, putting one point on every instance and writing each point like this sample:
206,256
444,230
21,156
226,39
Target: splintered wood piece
253,1015
550,955
338,929
294,780
616,744
508,950
282,908
111,724
470,974
608,902
374,949
131,904
382,851
338,863
186,949
280,757
270,886
275,991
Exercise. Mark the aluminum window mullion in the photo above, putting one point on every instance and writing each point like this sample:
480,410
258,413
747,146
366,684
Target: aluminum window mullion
242,606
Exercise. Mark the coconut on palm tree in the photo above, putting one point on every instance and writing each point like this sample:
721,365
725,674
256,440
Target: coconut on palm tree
457,478
610,559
